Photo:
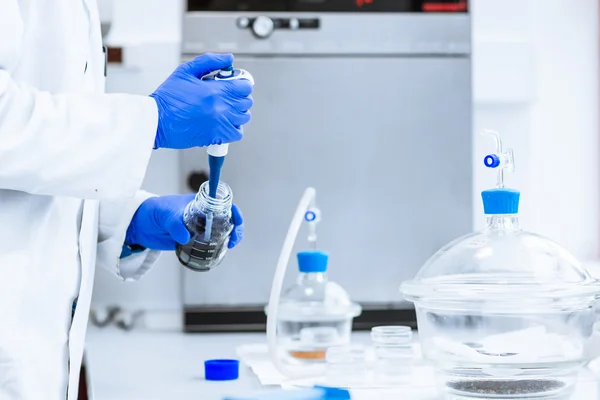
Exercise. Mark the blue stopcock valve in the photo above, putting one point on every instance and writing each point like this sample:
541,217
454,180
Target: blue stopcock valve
500,200
491,161
217,152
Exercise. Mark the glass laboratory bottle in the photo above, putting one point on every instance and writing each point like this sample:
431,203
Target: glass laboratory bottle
393,352
314,313
346,365
209,221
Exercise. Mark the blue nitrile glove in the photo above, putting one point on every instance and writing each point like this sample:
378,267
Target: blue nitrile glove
158,223
196,113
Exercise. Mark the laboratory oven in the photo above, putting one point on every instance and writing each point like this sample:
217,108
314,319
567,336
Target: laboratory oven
369,102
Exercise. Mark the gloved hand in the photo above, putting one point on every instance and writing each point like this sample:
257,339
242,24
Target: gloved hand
158,223
196,113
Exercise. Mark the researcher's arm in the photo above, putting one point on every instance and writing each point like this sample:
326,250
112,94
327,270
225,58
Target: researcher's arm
114,219
147,222
98,145
80,145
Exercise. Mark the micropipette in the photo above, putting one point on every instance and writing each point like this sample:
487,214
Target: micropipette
217,152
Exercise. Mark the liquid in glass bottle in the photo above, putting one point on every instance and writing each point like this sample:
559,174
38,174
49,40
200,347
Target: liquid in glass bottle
209,221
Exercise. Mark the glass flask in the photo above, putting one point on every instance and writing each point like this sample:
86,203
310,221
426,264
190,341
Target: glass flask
393,352
503,313
209,221
314,313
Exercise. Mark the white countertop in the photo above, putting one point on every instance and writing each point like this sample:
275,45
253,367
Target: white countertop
142,365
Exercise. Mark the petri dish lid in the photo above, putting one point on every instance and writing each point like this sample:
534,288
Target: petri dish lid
334,306
508,267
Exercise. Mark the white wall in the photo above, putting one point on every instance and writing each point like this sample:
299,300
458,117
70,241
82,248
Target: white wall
151,38
535,81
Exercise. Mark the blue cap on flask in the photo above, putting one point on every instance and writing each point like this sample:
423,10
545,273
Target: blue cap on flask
221,370
500,201
312,261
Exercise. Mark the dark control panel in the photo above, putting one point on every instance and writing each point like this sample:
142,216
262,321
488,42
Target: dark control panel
263,27
393,6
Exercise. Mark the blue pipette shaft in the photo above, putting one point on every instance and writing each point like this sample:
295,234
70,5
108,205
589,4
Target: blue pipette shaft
214,164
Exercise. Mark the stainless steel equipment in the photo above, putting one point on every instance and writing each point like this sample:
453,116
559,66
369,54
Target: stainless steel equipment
368,101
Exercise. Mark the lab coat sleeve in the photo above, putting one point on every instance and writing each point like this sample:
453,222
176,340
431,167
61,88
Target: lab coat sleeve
114,218
84,145
93,146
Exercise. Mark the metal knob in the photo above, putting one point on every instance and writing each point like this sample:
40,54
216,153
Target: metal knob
243,22
294,23
263,27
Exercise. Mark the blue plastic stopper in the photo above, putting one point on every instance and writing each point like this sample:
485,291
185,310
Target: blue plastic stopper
221,370
500,201
312,261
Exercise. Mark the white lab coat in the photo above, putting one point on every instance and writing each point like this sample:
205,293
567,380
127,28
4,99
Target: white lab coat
60,141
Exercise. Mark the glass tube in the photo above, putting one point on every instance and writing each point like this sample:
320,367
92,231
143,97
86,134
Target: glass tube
393,352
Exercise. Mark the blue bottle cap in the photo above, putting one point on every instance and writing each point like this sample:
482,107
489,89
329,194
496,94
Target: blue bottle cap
500,201
334,393
312,261
221,370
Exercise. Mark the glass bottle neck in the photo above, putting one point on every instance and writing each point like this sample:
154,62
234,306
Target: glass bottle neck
504,222
220,204
305,277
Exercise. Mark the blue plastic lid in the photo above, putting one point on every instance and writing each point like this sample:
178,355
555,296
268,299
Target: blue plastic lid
500,201
318,393
312,261
334,393
221,370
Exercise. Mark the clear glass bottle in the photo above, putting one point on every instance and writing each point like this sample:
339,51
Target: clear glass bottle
346,365
314,313
393,352
209,221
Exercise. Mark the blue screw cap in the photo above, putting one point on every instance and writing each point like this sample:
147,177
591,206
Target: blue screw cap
500,201
310,216
221,370
312,261
491,161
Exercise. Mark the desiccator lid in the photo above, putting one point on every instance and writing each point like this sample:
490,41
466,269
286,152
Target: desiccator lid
514,266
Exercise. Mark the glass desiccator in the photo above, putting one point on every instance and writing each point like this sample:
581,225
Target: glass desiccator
209,221
504,313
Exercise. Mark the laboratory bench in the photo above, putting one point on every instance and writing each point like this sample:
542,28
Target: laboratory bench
148,365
